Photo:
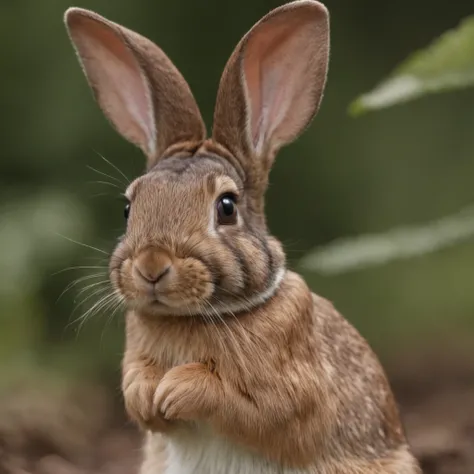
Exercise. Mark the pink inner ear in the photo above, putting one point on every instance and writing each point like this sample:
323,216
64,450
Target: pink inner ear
263,76
121,87
281,60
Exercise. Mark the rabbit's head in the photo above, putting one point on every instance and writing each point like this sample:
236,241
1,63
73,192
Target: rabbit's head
196,240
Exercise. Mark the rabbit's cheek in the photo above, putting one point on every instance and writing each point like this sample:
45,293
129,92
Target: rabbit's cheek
190,283
121,279
126,281
256,260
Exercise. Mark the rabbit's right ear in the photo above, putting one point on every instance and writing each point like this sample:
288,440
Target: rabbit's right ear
137,86
272,85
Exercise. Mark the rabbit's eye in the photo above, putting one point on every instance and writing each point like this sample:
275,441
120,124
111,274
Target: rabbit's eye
227,210
126,211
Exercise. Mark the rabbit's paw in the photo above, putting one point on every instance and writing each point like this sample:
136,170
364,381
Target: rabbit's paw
188,392
138,398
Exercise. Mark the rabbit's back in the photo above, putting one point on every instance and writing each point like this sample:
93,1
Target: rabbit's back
363,414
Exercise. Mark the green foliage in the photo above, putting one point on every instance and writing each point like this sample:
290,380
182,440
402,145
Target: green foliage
447,64
365,251
31,232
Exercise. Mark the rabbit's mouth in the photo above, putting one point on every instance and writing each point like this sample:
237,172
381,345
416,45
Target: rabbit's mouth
155,282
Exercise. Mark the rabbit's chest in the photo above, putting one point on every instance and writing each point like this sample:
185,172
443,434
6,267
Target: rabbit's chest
202,452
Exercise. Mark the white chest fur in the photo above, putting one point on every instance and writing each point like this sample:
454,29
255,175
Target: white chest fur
201,452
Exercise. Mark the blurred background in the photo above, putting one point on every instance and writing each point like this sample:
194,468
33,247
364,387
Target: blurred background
60,405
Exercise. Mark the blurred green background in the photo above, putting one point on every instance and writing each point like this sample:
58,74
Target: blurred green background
405,165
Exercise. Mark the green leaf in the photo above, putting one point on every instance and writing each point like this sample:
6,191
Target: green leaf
357,253
446,65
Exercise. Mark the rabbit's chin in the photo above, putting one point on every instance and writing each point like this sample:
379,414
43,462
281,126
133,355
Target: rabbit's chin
163,308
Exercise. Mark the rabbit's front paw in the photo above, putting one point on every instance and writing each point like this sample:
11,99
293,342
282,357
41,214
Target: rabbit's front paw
188,392
138,397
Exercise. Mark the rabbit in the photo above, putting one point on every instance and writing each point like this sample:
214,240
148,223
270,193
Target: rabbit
231,364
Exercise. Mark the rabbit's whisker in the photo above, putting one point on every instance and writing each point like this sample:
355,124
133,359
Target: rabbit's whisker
92,285
87,298
79,280
81,303
103,303
106,183
113,178
80,268
113,310
83,245
115,167
209,317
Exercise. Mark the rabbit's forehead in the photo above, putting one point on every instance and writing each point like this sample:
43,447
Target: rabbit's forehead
188,188
185,179
174,205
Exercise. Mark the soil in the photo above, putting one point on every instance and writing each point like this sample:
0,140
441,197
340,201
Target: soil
84,431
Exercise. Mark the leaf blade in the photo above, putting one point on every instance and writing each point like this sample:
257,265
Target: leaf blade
447,64
345,255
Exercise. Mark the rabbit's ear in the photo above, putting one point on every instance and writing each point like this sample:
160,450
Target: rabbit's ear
273,83
137,86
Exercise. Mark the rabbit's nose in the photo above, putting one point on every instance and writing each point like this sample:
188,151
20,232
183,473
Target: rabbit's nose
151,266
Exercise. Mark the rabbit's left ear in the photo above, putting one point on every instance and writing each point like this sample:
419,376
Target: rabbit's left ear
137,86
273,83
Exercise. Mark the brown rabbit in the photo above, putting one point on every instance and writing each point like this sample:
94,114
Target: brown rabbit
231,365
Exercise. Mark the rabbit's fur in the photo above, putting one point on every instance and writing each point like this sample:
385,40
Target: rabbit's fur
232,365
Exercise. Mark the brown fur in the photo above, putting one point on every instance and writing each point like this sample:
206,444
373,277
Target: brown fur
293,365
219,334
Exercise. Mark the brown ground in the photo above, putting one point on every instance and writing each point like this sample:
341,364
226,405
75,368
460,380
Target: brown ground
83,431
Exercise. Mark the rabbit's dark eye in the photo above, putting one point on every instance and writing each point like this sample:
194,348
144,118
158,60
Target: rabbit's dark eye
226,210
126,211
